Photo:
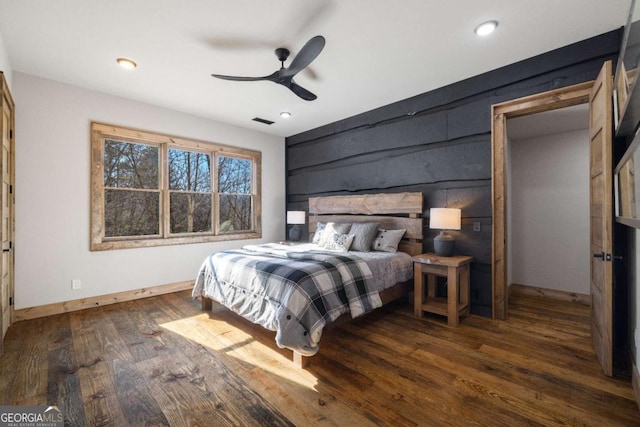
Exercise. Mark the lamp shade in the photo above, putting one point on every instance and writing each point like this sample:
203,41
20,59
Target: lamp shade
296,217
445,218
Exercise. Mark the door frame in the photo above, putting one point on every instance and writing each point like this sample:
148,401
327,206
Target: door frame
538,103
7,99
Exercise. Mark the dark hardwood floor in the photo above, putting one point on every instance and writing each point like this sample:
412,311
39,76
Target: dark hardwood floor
162,361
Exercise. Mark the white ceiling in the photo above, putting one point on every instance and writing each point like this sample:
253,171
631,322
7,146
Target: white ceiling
376,52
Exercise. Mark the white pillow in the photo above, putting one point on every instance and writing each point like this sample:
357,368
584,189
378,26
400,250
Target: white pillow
338,242
332,227
317,236
387,240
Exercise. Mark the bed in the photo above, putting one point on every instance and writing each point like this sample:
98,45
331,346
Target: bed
358,259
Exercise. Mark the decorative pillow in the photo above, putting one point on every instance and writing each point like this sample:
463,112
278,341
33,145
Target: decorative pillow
364,233
317,236
338,242
333,227
388,240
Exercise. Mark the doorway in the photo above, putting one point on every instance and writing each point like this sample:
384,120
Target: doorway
547,101
598,94
548,204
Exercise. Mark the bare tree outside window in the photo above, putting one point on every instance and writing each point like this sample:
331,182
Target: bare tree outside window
132,196
234,186
189,191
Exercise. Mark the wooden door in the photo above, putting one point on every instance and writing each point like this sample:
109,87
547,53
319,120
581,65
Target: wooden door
7,212
601,195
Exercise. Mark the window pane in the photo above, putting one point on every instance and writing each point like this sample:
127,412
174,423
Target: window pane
234,175
129,165
190,213
189,171
131,213
235,213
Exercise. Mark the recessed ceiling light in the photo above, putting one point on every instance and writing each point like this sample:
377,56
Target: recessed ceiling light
486,28
126,63
285,114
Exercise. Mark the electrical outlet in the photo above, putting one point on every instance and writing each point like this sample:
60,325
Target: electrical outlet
476,226
76,284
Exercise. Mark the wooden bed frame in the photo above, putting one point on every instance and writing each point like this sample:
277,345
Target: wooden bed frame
392,211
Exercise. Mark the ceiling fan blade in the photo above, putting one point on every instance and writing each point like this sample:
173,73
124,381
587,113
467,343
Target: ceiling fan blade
307,54
301,92
240,79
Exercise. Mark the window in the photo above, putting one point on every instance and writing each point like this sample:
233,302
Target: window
131,189
234,174
190,191
151,189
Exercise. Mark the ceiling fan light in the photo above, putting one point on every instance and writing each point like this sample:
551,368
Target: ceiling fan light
126,63
285,114
486,28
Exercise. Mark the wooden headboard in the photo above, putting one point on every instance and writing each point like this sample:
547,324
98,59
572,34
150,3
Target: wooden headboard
393,211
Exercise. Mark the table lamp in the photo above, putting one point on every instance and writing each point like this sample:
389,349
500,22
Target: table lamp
444,219
296,218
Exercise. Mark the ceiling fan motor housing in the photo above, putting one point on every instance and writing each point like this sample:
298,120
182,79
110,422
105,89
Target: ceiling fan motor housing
282,54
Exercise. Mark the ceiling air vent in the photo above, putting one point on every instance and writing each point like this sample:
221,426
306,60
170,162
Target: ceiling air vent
265,121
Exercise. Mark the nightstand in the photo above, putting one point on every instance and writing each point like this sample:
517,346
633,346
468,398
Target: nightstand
456,270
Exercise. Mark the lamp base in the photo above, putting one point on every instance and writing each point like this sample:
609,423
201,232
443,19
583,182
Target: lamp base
295,233
443,244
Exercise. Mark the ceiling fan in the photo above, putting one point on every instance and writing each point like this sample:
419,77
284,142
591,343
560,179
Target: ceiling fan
284,76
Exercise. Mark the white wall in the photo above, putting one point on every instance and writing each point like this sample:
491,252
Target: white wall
550,211
52,193
5,65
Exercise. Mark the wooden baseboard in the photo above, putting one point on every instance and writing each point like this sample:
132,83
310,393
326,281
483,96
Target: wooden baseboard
81,304
533,291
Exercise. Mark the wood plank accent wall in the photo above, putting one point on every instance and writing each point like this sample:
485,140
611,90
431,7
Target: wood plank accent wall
437,143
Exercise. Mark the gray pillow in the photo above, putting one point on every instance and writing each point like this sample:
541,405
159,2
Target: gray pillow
388,240
364,233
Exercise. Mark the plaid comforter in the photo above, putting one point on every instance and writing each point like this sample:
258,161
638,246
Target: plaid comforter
293,293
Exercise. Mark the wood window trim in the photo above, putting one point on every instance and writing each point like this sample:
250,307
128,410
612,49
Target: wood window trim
98,242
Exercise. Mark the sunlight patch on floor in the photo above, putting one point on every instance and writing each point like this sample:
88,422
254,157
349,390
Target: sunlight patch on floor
220,336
